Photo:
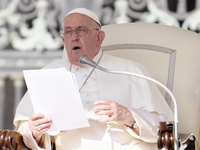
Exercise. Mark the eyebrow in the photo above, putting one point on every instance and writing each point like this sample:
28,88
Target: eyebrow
67,28
76,28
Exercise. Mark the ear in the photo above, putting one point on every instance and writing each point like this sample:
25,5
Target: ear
101,37
63,39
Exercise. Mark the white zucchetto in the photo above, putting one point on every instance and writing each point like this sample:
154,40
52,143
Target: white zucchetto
86,12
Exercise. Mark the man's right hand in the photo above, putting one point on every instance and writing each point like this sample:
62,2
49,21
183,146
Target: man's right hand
38,124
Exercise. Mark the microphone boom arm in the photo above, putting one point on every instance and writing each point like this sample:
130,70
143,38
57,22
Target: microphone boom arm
86,60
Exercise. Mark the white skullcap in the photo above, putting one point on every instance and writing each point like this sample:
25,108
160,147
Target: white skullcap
86,12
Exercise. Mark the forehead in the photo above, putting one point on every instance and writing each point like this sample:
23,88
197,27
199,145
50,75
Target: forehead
75,20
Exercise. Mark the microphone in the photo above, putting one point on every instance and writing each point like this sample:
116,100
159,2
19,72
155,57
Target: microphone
86,60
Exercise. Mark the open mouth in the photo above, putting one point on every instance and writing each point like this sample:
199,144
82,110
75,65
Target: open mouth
76,48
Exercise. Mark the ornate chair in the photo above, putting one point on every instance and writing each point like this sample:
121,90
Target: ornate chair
11,139
171,55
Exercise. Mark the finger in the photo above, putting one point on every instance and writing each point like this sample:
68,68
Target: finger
105,112
37,116
37,129
101,107
102,102
43,127
34,123
43,121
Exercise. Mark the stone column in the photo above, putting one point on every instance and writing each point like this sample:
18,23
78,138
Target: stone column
181,8
18,83
2,101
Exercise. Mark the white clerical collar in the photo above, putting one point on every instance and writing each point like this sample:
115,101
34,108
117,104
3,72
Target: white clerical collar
98,56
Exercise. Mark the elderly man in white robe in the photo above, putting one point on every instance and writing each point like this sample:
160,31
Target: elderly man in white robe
134,107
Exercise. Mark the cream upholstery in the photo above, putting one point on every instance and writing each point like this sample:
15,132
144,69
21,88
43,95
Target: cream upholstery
186,86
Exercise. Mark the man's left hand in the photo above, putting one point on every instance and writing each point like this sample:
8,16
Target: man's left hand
114,111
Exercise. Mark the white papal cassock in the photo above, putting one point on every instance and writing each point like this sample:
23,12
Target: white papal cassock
142,97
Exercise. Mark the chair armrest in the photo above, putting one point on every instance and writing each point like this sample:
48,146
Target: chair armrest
166,139
11,139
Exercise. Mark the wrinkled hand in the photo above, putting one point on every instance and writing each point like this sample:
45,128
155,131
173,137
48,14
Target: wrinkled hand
114,111
38,124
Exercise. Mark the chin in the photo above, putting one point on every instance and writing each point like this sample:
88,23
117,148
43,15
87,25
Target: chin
75,61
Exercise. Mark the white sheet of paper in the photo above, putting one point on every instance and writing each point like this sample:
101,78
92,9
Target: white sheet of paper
54,93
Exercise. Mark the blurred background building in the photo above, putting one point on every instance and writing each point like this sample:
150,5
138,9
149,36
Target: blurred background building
29,34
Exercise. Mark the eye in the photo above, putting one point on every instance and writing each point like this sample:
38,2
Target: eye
82,30
68,31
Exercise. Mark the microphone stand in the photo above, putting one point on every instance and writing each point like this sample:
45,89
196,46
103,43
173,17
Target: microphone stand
86,60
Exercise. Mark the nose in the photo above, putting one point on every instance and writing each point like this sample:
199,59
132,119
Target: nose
74,35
